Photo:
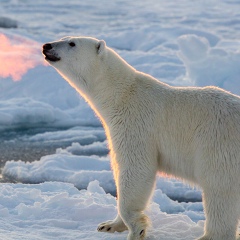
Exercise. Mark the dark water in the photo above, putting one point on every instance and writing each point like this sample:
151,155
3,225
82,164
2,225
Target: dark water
13,147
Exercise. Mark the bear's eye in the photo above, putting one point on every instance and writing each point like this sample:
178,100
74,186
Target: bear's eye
72,44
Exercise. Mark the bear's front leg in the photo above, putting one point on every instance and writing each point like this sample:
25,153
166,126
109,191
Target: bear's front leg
135,185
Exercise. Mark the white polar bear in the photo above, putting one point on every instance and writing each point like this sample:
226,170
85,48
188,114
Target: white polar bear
191,133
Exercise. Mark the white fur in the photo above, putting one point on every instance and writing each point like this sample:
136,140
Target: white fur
190,133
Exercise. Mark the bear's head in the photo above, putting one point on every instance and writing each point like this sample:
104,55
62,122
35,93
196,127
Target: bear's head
96,71
77,59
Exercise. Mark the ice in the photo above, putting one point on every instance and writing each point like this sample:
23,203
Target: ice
193,48
193,210
73,166
97,148
58,210
94,187
187,44
208,65
150,43
84,136
35,102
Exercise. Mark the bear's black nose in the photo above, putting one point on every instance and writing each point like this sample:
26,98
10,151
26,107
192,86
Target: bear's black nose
47,46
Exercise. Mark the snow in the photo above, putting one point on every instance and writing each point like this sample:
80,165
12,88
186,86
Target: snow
73,165
63,195
58,210
210,65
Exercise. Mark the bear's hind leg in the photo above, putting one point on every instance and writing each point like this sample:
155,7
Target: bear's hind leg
221,210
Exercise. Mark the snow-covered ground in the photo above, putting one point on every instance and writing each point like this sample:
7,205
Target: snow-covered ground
183,43
59,211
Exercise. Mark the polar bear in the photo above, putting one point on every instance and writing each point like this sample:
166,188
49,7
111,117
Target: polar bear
191,133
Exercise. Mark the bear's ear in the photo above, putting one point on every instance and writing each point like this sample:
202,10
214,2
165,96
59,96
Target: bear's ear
100,46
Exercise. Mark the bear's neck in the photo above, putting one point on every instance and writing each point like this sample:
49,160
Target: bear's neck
113,87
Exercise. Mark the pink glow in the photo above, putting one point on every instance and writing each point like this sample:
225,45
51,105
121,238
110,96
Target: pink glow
17,56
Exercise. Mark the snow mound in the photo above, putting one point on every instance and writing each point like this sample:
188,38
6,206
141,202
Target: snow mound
206,65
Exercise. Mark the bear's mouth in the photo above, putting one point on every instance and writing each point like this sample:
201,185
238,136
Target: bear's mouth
50,56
